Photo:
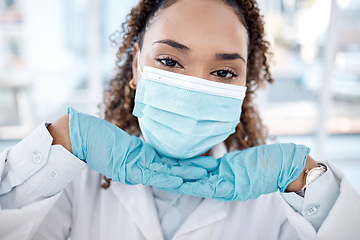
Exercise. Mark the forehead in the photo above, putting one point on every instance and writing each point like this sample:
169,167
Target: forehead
206,23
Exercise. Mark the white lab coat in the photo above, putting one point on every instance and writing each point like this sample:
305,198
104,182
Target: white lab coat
83,210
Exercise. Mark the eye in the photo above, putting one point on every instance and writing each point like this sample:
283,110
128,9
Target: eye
225,73
169,62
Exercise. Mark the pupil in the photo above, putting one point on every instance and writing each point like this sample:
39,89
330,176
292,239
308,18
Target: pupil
222,73
170,62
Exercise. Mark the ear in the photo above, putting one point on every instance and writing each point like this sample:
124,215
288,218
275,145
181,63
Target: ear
135,71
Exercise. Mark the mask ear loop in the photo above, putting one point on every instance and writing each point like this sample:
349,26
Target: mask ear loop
138,63
132,85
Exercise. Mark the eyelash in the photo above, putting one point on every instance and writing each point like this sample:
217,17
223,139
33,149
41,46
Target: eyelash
167,58
232,72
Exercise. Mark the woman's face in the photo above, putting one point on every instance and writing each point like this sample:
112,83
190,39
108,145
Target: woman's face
199,38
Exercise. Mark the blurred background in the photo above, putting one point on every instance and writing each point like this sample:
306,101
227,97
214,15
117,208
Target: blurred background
55,54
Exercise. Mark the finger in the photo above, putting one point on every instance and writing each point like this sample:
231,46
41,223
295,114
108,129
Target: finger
185,172
220,190
207,162
170,161
199,189
189,173
161,180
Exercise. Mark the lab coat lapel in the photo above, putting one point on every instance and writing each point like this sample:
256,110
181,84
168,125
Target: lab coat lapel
139,202
208,212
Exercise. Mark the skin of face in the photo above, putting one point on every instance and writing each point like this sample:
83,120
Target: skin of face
199,38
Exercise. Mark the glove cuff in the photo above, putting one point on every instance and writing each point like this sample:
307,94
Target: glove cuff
297,165
75,137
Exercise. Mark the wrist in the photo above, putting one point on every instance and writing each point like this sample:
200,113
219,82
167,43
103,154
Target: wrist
59,130
310,176
300,182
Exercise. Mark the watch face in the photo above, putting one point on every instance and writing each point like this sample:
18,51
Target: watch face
314,174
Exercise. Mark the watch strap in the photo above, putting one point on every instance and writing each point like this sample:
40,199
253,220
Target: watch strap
312,175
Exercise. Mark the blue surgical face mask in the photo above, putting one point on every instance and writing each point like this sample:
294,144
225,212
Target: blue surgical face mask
183,116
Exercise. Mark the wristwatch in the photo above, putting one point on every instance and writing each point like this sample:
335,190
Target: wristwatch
312,175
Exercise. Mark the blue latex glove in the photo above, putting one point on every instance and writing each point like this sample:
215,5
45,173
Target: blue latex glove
112,152
249,173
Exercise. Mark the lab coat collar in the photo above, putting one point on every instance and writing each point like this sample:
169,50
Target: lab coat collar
209,211
139,202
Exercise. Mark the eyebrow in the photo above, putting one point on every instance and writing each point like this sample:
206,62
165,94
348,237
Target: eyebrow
173,44
229,56
218,56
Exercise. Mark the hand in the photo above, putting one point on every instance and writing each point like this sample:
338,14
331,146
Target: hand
249,173
127,159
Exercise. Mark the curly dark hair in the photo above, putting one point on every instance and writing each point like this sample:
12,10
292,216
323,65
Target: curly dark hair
119,97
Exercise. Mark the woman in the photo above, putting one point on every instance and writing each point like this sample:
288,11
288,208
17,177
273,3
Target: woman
218,48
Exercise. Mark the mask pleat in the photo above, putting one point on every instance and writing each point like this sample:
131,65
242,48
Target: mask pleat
183,116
